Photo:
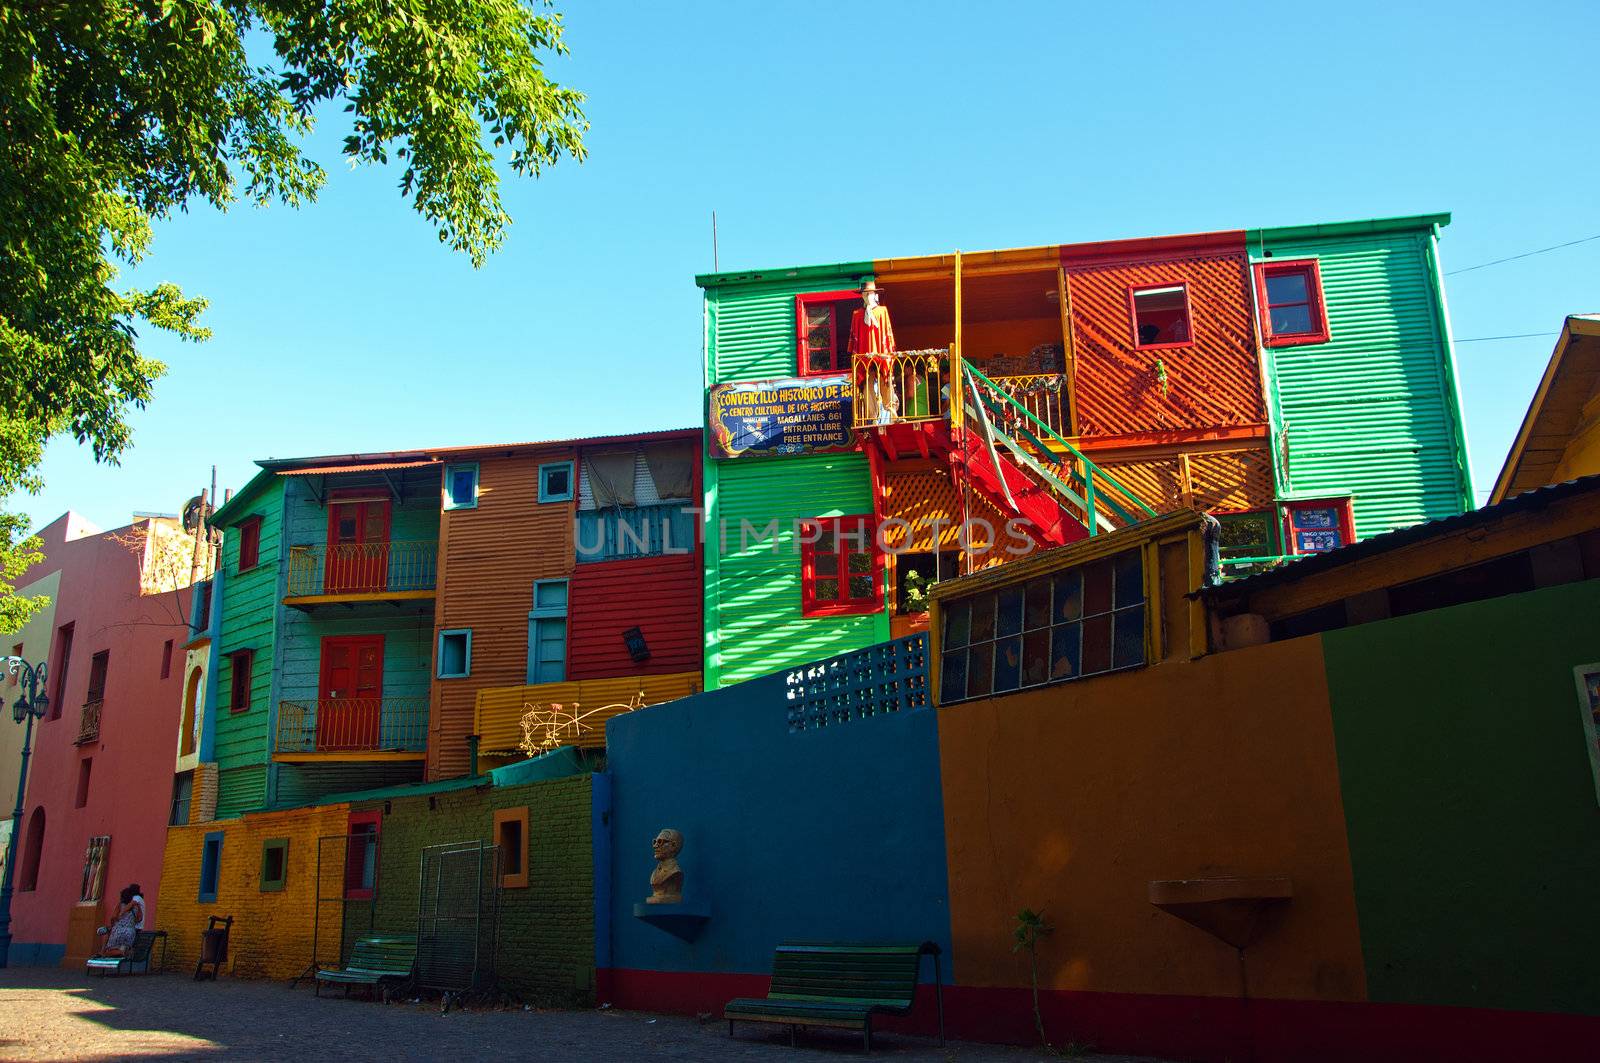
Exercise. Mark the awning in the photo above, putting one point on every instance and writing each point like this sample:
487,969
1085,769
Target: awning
380,466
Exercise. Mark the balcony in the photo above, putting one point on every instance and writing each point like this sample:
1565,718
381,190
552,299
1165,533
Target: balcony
89,722
352,729
912,387
362,572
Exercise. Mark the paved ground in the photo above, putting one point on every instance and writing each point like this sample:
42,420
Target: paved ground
63,1015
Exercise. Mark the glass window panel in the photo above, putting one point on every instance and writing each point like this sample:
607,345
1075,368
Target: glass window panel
826,564
1008,663
1097,588
825,541
953,676
983,618
859,563
1037,612
1036,657
827,590
1009,619
1130,578
980,666
861,587
1128,639
957,620
1066,651
1287,288
462,482
1097,644
1069,596
1291,320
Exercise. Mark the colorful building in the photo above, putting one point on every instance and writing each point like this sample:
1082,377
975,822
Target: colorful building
1560,435
96,814
1297,382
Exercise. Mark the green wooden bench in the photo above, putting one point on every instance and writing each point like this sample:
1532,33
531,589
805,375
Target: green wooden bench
839,985
135,961
374,962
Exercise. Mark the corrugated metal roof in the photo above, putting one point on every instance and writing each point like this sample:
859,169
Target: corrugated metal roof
1379,544
428,455
372,466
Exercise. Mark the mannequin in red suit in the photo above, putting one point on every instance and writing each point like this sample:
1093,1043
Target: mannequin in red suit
872,335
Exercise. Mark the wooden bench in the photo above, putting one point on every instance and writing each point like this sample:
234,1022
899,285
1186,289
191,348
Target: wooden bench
135,961
839,985
373,962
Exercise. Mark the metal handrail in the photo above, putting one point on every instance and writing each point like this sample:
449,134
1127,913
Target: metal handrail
89,722
352,725
363,568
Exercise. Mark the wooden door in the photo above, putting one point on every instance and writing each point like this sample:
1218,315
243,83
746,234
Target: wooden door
350,702
358,547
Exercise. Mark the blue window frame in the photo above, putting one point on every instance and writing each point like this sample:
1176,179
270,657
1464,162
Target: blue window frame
210,867
455,653
461,486
547,632
556,481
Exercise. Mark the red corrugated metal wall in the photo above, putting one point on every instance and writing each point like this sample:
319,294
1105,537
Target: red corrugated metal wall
661,596
1214,381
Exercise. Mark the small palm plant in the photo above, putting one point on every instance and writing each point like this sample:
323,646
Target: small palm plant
1030,927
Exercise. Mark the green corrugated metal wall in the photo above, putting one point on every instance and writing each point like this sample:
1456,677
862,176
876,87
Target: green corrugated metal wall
303,784
751,327
241,790
1373,411
753,621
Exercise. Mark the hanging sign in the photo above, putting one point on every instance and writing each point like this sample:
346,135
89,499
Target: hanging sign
794,415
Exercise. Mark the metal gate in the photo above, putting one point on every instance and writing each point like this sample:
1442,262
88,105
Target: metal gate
458,915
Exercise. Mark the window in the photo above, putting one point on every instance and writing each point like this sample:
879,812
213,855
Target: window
361,856
841,568
547,632
1160,316
1248,534
166,659
98,665
59,672
85,768
511,835
461,486
202,607
555,482
32,852
240,664
249,543
210,867
1318,525
182,796
455,653
189,735
274,864
822,331
1067,625
915,575
1290,295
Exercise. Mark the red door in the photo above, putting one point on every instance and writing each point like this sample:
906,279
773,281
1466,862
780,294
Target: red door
358,547
350,709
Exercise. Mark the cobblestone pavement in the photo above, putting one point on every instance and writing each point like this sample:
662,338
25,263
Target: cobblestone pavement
50,1014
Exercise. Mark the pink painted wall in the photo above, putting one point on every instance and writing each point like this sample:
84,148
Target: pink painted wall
130,784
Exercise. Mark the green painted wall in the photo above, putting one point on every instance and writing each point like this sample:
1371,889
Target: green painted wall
753,621
250,603
1375,410
1474,829
750,328
547,931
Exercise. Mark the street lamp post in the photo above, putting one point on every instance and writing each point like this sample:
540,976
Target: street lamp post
30,705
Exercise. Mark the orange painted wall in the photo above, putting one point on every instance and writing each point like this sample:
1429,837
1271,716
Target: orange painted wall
1073,798
489,557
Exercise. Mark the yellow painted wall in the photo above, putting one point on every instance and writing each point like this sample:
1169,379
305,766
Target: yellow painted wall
271,936
500,710
1582,454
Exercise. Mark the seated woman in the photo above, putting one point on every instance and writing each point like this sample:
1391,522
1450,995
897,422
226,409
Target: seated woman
125,924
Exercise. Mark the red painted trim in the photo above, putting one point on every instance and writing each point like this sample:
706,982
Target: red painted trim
809,606
1111,252
841,339
360,819
1176,437
1179,1027
249,543
1133,315
1319,310
234,684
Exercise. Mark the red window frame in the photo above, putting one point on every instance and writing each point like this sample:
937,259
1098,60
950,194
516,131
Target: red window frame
355,860
810,534
1343,513
841,331
249,543
241,665
1133,314
1319,311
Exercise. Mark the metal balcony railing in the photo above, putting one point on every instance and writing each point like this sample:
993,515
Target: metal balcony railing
1041,394
901,388
352,725
89,722
363,568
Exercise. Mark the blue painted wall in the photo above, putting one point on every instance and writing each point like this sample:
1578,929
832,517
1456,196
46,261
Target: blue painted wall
835,833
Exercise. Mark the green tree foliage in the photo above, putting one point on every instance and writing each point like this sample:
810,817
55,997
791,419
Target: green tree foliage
116,113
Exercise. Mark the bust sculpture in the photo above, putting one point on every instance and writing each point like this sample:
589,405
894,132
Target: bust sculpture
666,881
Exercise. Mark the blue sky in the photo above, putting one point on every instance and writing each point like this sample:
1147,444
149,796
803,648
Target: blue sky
826,132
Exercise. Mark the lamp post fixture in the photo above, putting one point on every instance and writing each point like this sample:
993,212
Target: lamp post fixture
30,705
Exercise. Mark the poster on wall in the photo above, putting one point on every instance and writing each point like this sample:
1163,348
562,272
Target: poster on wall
1588,677
794,415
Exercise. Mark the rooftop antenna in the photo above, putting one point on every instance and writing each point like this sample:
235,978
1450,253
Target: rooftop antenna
716,266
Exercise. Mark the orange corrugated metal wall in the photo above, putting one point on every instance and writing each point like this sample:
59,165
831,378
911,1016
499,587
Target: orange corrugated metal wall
661,596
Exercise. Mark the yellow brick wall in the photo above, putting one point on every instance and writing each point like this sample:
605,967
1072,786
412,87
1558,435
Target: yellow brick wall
272,932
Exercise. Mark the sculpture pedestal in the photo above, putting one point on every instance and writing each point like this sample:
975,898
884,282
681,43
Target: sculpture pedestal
682,920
